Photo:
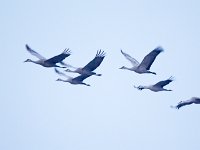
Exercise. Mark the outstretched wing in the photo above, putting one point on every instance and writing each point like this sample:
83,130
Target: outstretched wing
61,73
93,64
34,53
149,59
133,61
81,77
59,57
163,83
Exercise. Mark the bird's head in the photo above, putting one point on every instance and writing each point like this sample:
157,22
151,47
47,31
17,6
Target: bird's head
28,60
68,70
139,87
59,79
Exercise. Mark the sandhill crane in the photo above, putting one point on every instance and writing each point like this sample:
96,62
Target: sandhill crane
76,80
193,100
91,66
146,63
48,62
157,87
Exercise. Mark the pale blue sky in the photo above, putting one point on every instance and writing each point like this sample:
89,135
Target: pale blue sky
38,113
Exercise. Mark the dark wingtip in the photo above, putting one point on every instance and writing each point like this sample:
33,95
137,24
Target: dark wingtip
159,48
27,47
67,51
100,53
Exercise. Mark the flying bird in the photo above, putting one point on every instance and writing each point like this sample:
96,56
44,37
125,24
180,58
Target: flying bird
76,80
146,63
51,62
91,66
157,87
193,100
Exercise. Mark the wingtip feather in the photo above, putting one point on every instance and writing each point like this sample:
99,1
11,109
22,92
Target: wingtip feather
159,48
27,47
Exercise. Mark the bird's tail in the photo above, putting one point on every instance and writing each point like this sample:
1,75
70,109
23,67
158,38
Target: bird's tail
61,73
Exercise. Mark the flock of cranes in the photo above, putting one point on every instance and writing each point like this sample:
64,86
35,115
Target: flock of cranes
88,70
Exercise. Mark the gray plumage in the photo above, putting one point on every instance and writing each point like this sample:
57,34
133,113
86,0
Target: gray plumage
91,66
146,63
76,80
156,87
51,62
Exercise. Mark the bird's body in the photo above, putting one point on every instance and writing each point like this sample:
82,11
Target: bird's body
157,87
146,63
193,100
43,63
76,80
91,66
52,62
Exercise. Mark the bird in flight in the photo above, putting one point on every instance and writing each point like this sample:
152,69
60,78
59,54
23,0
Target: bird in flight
51,62
91,66
77,80
146,63
193,100
156,87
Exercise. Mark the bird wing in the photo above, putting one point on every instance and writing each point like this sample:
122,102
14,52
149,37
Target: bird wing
196,100
93,64
149,58
61,73
81,77
59,57
67,65
34,53
133,61
165,82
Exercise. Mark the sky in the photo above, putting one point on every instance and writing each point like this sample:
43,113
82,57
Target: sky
39,113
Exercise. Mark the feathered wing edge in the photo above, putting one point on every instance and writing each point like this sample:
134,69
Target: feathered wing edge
36,54
133,61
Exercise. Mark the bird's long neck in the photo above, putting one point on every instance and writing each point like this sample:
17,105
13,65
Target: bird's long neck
146,87
36,62
39,62
68,70
128,68
59,79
